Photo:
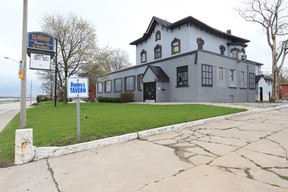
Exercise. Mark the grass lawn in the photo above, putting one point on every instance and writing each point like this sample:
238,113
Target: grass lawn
57,126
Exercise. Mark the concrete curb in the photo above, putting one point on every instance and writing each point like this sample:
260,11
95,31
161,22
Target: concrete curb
47,152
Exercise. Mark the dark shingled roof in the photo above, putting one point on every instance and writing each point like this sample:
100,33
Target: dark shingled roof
159,73
266,78
156,20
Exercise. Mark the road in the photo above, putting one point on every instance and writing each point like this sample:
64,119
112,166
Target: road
8,112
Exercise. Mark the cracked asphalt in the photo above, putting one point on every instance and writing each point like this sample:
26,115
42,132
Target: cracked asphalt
247,153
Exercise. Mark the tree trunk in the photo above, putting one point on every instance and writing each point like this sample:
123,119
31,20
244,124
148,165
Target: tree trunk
275,72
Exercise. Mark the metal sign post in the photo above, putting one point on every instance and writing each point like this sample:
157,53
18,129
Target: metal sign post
77,88
78,118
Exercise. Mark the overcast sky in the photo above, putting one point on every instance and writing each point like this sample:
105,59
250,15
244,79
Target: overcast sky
117,23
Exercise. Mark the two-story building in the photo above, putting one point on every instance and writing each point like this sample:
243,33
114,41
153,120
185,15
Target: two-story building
185,61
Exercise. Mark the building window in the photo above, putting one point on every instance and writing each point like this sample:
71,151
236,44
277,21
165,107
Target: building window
118,85
200,43
242,79
158,36
222,49
220,74
139,82
143,55
252,83
108,86
232,75
158,52
182,76
207,75
130,83
235,53
100,87
175,46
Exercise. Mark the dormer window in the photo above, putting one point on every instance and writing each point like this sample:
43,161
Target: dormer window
158,52
158,36
234,53
200,43
222,49
143,55
175,46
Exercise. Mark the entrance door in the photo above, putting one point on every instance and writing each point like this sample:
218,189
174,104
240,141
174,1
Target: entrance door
149,91
261,93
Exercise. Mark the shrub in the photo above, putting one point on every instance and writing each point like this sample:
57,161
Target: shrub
126,97
108,100
41,98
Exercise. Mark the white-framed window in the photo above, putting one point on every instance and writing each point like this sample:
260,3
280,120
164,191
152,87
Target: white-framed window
118,85
99,87
235,53
220,74
108,86
242,77
232,75
130,83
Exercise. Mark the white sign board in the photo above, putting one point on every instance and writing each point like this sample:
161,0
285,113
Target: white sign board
40,61
77,87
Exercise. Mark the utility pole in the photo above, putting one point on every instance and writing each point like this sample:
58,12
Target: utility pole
23,80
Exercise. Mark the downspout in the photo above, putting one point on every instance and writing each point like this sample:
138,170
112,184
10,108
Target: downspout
247,82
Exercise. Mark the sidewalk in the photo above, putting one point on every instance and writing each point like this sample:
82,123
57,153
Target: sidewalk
8,112
247,153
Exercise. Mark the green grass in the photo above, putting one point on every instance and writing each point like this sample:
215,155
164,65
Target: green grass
57,126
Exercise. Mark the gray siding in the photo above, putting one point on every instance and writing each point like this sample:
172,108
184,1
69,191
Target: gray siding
220,91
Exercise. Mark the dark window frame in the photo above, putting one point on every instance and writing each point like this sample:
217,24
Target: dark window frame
125,86
117,91
143,54
173,46
105,86
207,75
139,82
158,36
158,52
180,70
252,82
98,87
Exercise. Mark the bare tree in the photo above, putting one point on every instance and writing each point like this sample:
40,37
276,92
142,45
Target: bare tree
112,59
76,44
48,84
272,16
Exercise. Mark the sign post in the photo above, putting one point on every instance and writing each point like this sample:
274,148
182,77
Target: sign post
77,88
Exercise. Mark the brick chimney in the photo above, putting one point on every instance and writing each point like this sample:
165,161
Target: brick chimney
229,31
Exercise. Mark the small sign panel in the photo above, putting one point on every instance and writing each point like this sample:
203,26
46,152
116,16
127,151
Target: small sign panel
77,87
21,70
40,61
40,41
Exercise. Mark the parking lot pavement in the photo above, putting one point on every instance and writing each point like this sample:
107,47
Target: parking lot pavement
247,153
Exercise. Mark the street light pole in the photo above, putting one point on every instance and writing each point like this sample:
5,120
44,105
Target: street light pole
23,80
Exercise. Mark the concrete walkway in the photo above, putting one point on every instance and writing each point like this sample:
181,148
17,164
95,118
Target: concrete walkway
247,153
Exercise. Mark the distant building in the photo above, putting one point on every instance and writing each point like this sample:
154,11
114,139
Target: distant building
264,87
185,61
284,91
